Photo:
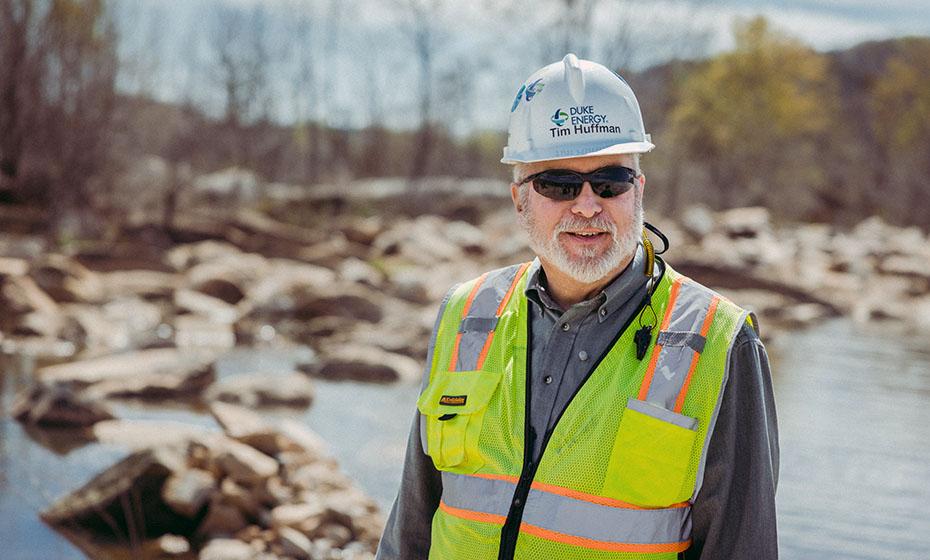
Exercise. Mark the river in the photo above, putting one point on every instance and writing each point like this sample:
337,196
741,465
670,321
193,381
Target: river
854,419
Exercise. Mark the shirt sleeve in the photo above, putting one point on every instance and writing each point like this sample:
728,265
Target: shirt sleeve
733,515
407,531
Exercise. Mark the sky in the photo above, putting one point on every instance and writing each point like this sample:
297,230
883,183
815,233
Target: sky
483,49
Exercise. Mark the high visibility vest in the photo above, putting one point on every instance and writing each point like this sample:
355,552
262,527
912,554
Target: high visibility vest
624,462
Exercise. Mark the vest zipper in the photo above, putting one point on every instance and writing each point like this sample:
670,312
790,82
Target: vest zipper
511,529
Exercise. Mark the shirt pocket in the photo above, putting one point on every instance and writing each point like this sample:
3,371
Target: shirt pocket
649,461
454,404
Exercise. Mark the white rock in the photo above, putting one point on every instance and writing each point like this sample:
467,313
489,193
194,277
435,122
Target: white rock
226,549
186,492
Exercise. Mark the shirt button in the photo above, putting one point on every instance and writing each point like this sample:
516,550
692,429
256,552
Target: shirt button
582,355
603,312
547,380
566,326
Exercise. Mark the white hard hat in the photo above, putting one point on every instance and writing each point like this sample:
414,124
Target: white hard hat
574,108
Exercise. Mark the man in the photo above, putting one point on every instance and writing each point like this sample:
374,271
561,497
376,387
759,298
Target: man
592,404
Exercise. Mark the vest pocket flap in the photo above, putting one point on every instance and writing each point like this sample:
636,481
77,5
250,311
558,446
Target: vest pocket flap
458,392
660,413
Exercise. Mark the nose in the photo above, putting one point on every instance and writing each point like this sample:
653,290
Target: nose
587,204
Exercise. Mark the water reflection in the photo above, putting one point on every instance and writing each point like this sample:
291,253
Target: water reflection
853,410
854,424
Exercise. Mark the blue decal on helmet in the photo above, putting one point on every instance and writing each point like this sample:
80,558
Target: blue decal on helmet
533,89
516,100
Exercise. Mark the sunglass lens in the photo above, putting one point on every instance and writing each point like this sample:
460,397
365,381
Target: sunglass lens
612,181
557,187
610,189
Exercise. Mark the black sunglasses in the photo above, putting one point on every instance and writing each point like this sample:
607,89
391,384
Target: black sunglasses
565,184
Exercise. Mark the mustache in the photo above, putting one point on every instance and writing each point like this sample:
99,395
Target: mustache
572,223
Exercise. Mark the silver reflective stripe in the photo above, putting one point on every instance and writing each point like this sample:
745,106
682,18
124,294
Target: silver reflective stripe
478,324
692,340
477,494
650,409
567,515
687,316
483,312
713,417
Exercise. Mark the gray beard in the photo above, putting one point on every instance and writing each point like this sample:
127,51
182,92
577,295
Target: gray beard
590,266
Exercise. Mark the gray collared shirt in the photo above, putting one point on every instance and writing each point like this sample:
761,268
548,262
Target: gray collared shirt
733,515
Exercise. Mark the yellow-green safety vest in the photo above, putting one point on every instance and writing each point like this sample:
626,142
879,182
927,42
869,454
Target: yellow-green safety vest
624,462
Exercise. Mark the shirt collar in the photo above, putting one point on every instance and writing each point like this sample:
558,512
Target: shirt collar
624,286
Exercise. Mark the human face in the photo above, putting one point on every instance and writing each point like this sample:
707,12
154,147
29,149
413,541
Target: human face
588,238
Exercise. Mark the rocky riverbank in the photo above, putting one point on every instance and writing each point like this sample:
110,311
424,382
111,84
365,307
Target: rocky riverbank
146,315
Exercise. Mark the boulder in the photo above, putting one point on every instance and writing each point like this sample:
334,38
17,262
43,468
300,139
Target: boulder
240,497
197,331
21,294
66,280
355,270
168,371
48,325
185,256
365,363
147,284
214,309
13,267
423,241
124,498
227,278
57,406
363,230
244,464
746,222
222,519
172,545
258,390
146,434
188,491
244,425
226,549
295,544
293,515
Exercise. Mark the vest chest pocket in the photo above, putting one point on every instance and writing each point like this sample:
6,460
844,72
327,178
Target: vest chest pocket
454,404
649,462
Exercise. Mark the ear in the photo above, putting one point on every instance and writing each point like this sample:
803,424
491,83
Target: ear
515,196
642,181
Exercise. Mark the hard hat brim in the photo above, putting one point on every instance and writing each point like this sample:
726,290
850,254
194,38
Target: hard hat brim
565,152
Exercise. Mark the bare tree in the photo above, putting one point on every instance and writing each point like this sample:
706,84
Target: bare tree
80,90
571,29
21,72
242,64
424,39
306,97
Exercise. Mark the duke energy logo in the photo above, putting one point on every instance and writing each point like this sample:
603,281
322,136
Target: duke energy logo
584,120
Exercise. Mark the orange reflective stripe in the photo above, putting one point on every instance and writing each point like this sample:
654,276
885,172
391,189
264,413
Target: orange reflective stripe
650,371
604,545
562,537
575,494
513,285
705,328
500,309
472,515
458,337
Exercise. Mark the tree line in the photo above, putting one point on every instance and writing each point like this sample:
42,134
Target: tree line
831,137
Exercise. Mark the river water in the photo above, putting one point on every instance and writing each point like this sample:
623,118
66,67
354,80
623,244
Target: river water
854,420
